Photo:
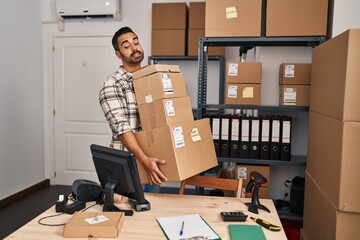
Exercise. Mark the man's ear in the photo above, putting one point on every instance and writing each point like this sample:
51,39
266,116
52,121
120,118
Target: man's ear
117,53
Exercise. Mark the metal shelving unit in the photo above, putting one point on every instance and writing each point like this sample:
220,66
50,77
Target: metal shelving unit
202,106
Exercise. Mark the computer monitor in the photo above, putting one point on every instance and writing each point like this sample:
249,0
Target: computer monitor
117,172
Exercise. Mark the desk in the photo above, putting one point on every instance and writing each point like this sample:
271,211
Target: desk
142,225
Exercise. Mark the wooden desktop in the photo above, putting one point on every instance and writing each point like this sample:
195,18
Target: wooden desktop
143,225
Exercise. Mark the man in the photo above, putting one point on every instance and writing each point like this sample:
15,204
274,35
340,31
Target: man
117,99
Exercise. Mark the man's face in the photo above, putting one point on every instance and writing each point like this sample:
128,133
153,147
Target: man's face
131,51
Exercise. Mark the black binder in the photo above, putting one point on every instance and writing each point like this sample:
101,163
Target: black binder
215,129
245,137
275,138
254,152
225,128
235,136
285,141
265,138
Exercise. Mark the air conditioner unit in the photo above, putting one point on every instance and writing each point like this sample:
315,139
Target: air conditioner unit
88,9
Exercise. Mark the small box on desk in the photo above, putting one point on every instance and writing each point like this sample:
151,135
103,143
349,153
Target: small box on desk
165,112
94,225
187,149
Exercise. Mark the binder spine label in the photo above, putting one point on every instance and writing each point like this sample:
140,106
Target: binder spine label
235,130
265,131
255,130
216,129
245,130
225,129
275,131
286,132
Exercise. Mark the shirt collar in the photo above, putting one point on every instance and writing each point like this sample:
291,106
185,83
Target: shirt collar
125,74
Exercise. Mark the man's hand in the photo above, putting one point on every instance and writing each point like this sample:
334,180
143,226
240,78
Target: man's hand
154,174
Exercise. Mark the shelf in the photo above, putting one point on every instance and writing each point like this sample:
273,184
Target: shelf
155,59
261,108
263,41
295,161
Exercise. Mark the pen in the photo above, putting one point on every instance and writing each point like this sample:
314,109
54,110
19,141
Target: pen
182,228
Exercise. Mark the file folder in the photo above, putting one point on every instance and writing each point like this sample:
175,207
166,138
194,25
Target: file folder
235,136
285,141
215,129
265,138
254,152
245,137
224,135
275,138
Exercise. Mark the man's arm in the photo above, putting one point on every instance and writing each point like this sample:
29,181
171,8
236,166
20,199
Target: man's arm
150,163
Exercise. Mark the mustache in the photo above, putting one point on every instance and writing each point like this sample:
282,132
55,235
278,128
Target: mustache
136,52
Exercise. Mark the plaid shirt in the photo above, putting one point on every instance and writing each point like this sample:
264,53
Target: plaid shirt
117,100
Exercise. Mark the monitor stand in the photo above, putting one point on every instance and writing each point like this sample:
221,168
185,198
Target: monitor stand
109,200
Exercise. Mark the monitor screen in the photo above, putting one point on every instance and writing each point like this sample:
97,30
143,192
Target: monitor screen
117,172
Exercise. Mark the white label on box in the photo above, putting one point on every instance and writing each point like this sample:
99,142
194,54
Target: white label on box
195,135
233,69
289,96
178,137
231,12
96,219
290,71
242,171
170,110
232,91
248,92
148,99
168,89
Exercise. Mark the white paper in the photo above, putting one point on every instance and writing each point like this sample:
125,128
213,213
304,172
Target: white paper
178,137
194,226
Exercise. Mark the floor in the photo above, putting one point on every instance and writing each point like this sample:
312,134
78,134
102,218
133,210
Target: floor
20,212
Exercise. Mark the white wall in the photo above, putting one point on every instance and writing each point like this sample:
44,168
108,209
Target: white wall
26,138
22,161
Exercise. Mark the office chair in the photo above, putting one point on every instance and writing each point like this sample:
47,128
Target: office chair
213,182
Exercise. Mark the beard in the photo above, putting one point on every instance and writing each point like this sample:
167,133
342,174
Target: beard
135,58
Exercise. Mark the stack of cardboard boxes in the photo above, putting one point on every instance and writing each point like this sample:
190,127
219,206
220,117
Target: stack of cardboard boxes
169,131
169,24
295,80
332,206
243,83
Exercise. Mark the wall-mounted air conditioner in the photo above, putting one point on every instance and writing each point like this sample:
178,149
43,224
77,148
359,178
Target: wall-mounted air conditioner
88,9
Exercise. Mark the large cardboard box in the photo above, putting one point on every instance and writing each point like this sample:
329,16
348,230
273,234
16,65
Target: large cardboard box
94,225
333,159
243,72
168,42
243,93
295,73
295,95
165,112
169,16
335,85
296,18
158,85
152,68
193,44
233,18
197,15
243,171
322,220
187,149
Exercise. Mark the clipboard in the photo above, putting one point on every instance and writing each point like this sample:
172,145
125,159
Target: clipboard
191,225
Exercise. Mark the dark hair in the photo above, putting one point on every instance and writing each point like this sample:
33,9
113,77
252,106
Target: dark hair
120,32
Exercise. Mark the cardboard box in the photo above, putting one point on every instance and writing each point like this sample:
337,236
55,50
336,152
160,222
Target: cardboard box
294,95
169,16
333,159
243,171
233,18
335,85
165,112
153,68
295,73
159,85
193,44
197,15
243,93
296,18
187,149
243,72
322,220
94,225
168,42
